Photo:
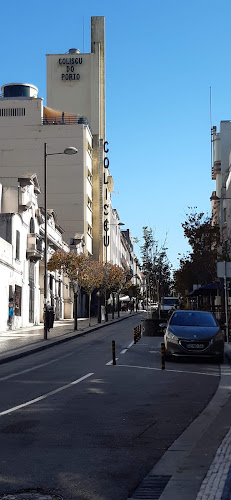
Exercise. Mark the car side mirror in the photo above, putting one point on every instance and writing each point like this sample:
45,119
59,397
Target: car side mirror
163,325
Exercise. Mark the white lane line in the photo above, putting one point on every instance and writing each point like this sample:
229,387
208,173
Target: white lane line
121,352
128,347
110,362
42,364
169,370
47,395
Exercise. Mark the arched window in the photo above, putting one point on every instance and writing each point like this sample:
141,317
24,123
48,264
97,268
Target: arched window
32,226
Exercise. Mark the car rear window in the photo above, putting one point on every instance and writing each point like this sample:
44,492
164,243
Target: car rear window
192,318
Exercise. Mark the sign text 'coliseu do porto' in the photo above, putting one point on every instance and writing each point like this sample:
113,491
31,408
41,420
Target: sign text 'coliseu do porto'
70,63
106,205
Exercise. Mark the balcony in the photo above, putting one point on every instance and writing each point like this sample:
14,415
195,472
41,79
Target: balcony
65,119
34,247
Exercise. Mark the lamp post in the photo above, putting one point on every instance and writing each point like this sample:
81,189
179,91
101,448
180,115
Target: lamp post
67,151
105,297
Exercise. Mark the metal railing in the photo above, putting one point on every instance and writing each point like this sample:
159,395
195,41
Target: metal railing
65,120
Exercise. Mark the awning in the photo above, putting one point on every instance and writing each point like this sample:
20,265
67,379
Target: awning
209,289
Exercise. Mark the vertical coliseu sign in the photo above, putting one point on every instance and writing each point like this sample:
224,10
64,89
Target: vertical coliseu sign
106,205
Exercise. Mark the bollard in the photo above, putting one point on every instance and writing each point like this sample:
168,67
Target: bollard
139,331
113,353
135,337
162,356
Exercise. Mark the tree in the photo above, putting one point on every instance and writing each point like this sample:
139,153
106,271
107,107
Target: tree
80,269
115,278
69,264
155,266
91,277
199,265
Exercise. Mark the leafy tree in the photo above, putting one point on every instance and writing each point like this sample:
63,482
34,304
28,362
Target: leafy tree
155,266
199,265
80,269
115,280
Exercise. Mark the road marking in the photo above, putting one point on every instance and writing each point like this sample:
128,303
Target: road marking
110,362
169,370
155,352
128,347
47,395
43,364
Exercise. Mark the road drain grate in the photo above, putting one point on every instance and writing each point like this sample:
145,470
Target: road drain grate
151,488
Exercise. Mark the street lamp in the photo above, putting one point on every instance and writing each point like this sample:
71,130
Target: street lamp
105,298
68,151
214,197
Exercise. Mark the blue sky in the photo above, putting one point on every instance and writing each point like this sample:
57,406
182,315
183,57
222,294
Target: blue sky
161,59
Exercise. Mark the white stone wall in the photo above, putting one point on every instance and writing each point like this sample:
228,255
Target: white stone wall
6,273
22,141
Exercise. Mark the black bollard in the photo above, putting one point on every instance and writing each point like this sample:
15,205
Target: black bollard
113,353
162,356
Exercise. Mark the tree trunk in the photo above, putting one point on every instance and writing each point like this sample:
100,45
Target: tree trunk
118,305
113,305
99,308
75,310
90,309
106,309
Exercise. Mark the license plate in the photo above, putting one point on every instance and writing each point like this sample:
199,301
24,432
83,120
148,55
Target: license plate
194,346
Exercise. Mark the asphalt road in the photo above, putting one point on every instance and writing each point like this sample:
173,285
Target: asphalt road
73,424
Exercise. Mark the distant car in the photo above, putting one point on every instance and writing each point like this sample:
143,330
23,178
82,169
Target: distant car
193,333
154,305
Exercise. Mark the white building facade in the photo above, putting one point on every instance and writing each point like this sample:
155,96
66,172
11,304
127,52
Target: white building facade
22,256
25,126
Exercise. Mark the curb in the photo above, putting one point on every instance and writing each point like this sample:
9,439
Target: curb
69,335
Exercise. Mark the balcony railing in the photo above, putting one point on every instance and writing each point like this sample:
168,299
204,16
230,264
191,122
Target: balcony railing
65,120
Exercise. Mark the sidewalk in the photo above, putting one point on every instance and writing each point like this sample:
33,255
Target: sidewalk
18,343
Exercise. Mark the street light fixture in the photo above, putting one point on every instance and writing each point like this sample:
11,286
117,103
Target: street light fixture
214,197
68,151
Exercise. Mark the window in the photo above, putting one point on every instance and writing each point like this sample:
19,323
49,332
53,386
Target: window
18,299
32,226
89,203
89,176
17,256
89,230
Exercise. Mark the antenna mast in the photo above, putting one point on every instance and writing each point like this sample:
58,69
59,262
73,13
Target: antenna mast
83,34
211,128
